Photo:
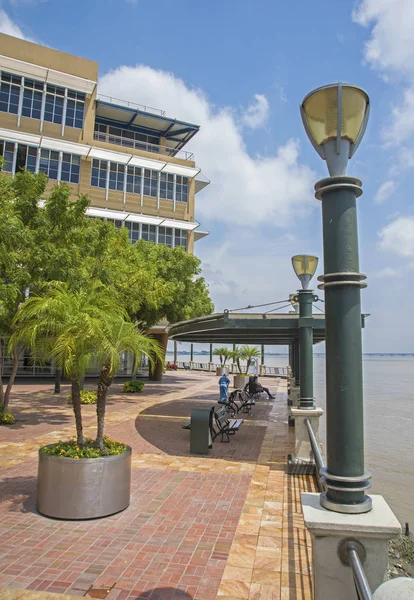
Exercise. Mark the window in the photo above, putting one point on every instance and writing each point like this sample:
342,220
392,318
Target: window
70,168
9,93
116,177
100,132
32,99
150,183
134,232
149,233
31,159
182,189
180,238
167,186
7,152
49,163
75,109
98,176
55,99
165,236
134,180
127,137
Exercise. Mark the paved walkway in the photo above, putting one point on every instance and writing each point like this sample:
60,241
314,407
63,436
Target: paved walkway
225,526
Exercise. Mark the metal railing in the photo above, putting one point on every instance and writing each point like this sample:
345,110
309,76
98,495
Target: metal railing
128,104
232,368
320,464
352,554
127,142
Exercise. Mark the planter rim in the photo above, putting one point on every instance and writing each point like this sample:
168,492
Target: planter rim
90,459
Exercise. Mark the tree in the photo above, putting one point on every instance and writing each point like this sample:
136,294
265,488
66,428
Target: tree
248,353
235,356
75,326
119,336
223,353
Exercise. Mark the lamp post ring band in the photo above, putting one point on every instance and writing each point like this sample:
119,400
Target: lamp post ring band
353,509
342,274
348,479
338,488
336,283
339,186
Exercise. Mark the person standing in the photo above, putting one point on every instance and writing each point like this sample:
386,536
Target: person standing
224,383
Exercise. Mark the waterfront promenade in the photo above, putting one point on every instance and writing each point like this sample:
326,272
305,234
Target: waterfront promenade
224,526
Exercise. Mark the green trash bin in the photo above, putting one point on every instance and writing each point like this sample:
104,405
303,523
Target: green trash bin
200,435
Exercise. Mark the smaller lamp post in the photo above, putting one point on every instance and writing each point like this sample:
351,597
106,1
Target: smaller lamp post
305,266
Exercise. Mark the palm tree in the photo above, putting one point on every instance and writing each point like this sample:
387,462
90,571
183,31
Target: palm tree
235,356
119,336
223,354
72,327
248,353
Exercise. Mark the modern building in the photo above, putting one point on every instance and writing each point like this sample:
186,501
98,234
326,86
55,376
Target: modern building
129,159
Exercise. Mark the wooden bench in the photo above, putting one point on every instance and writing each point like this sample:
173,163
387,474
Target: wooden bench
225,427
243,401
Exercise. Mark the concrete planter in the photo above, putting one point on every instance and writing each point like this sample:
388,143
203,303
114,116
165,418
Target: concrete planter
86,488
239,381
222,371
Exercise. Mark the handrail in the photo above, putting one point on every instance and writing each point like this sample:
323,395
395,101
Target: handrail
316,451
119,140
352,554
129,104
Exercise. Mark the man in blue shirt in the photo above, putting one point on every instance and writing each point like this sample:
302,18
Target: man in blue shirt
224,383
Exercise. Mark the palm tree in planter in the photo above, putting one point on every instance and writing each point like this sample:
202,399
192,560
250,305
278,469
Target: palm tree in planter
249,354
224,354
73,327
245,353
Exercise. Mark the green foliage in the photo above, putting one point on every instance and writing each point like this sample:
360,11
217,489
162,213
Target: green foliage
248,353
70,449
6,418
86,397
223,353
134,385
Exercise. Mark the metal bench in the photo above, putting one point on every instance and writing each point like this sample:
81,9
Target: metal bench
225,427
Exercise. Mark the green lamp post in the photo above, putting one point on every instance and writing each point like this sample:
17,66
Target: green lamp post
305,266
335,118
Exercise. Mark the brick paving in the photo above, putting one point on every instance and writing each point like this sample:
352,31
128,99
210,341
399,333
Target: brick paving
224,526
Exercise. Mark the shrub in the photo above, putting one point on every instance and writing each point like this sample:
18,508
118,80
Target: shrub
134,385
71,450
86,397
6,418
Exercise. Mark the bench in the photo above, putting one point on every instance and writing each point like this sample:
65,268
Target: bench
241,401
225,427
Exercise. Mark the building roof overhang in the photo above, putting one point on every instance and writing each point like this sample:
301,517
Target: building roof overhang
243,328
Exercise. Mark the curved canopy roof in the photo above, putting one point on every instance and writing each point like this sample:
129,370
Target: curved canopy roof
242,328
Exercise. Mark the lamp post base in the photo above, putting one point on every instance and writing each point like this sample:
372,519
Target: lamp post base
354,509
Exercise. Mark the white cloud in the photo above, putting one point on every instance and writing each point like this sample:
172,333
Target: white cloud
386,273
398,237
384,192
275,189
8,27
257,113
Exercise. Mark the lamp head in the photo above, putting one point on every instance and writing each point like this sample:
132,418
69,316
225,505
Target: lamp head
335,118
304,266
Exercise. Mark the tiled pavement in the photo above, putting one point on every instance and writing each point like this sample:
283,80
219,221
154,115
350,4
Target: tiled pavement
228,525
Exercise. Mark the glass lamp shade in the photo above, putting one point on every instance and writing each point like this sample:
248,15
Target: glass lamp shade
304,266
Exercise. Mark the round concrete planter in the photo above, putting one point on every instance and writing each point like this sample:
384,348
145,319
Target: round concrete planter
239,381
85,488
222,371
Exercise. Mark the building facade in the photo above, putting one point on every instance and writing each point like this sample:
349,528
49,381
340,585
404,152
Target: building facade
127,158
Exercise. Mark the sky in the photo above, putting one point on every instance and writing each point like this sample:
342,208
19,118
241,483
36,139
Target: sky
240,70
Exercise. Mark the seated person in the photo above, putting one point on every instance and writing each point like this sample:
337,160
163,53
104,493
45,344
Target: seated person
224,383
254,387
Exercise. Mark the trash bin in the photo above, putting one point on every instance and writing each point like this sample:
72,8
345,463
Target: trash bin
200,435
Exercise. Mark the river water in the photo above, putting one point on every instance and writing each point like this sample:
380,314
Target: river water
388,423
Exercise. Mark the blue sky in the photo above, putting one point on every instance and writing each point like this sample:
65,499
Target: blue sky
240,70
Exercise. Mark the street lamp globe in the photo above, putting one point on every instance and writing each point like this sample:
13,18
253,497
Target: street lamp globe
335,118
304,266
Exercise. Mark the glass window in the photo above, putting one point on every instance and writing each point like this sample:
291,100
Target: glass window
149,232
32,99
165,236
166,186
9,93
49,163
75,109
134,180
31,159
150,183
180,238
55,98
98,175
7,152
181,193
70,168
134,234
116,177
127,137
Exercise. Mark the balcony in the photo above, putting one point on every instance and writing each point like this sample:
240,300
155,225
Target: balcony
123,140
